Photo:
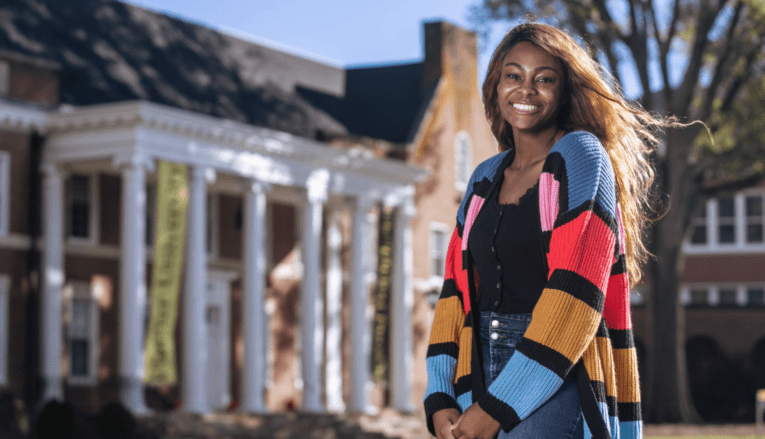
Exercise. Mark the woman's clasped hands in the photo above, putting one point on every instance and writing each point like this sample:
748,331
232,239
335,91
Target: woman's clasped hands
475,423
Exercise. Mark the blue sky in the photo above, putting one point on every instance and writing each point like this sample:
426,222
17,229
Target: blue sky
343,32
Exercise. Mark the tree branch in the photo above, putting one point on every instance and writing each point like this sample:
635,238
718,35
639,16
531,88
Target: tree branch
723,66
704,25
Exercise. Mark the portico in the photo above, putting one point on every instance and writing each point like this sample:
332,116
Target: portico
257,164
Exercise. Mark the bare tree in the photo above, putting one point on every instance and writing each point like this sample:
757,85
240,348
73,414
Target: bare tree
702,59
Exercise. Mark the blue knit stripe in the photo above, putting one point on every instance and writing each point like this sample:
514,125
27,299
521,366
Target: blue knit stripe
465,400
604,413
441,371
587,432
524,384
614,426
486,169
589,171
631,429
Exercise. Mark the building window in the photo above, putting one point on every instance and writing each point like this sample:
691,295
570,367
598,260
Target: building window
699,297
727,297
755,296
82,333
754,219
726,221
5,287
439,243
463,160
728,224
5,192
82,208
699,227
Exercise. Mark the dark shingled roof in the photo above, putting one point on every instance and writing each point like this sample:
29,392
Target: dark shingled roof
111,51
380,102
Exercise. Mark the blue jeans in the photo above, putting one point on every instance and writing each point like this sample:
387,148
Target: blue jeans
560,417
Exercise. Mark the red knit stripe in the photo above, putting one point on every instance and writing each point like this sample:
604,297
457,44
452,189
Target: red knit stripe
592,243
454,269
617,308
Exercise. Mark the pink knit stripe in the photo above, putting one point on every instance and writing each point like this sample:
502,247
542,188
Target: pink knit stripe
548,200
475,205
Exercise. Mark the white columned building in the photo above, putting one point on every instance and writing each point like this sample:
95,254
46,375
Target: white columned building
401,309
132,280
311,303
254,291
194,388
221,154
53,281
362,276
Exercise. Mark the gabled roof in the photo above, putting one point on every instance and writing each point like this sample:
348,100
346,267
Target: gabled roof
111,51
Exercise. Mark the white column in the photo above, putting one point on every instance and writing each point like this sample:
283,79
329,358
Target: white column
132,283
739,218
363,254
53,280
401,310
194,386
312,313
333,371
254,289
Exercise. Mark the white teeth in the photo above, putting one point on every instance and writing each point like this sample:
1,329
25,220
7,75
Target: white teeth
524,107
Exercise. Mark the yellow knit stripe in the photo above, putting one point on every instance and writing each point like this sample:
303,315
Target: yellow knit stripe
607,359
463,362
591,358
562,322
627,375
448,320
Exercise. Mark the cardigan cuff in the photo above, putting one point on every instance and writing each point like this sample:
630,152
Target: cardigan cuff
435,402
501,412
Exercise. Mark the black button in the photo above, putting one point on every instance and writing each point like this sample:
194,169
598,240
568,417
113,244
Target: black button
499,267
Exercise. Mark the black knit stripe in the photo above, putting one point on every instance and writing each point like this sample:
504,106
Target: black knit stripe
462,385
449,289
449,348
599,390
501,412
630,411
469,319
619,266
622,338
613,410
583,289
546,356
597,209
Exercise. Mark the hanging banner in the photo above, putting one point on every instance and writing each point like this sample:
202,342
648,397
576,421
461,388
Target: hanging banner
172,200
382,297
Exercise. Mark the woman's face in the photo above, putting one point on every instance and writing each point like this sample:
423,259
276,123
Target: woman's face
529,88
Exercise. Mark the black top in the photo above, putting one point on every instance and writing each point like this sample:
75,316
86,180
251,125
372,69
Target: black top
506,246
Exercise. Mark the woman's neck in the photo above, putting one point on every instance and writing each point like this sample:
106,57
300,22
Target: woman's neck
531,148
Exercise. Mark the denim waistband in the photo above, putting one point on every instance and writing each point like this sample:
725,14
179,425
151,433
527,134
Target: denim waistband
490,320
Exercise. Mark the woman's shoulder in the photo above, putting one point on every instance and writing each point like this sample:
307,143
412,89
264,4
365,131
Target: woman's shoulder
582,143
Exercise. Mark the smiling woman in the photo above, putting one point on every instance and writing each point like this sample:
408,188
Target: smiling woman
532,335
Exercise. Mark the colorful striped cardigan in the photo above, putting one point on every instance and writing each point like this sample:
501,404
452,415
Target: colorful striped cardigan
581,323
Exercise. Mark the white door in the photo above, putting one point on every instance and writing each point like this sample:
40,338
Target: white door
218,340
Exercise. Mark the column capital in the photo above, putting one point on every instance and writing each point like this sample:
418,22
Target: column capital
133,160
317,186
206,173
256,186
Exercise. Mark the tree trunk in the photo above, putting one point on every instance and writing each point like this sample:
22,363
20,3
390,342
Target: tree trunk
669,398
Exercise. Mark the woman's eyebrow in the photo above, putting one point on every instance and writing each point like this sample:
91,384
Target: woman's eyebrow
524,69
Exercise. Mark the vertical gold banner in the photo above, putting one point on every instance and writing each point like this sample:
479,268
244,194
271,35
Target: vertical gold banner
172,200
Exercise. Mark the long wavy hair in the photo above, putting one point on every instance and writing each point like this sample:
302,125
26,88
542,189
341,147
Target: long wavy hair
590,103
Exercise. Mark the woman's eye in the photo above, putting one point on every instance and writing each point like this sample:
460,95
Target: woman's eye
545,79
